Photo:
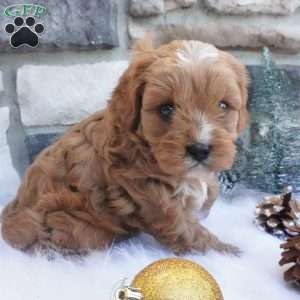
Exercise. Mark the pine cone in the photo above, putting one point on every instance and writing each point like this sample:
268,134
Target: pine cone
279,215
291,255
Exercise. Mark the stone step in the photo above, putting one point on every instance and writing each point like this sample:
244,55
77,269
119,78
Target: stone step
67,93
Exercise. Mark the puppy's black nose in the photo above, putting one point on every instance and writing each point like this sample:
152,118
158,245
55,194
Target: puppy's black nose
198,151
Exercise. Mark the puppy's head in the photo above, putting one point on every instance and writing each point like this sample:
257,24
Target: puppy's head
187,101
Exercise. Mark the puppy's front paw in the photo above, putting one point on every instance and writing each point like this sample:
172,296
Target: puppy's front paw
228,249
206,240
205,245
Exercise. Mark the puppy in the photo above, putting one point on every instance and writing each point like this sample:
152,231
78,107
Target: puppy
148,163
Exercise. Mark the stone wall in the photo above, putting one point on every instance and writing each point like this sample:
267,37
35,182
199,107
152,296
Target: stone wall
85,48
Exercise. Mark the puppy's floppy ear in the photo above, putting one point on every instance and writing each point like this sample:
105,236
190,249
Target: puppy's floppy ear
126,102
243,80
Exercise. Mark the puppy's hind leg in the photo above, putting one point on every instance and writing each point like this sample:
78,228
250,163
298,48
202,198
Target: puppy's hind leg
70,234
22,228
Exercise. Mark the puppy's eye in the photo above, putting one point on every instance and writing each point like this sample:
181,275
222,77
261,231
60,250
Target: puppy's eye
223,105
166,111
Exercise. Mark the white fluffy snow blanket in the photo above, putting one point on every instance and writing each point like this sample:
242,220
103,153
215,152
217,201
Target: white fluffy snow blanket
253,276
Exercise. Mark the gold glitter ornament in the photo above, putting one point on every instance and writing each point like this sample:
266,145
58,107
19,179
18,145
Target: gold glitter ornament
176,279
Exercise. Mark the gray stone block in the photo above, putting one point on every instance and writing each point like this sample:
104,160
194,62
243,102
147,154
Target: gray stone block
70,24
1,83
223,30
236,7
9,180
37,142
4,124
141,8
149,8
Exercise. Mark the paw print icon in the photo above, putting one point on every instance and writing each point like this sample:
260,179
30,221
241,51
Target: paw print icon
24,32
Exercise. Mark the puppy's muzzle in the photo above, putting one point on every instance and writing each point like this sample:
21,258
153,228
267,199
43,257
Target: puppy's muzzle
198,151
